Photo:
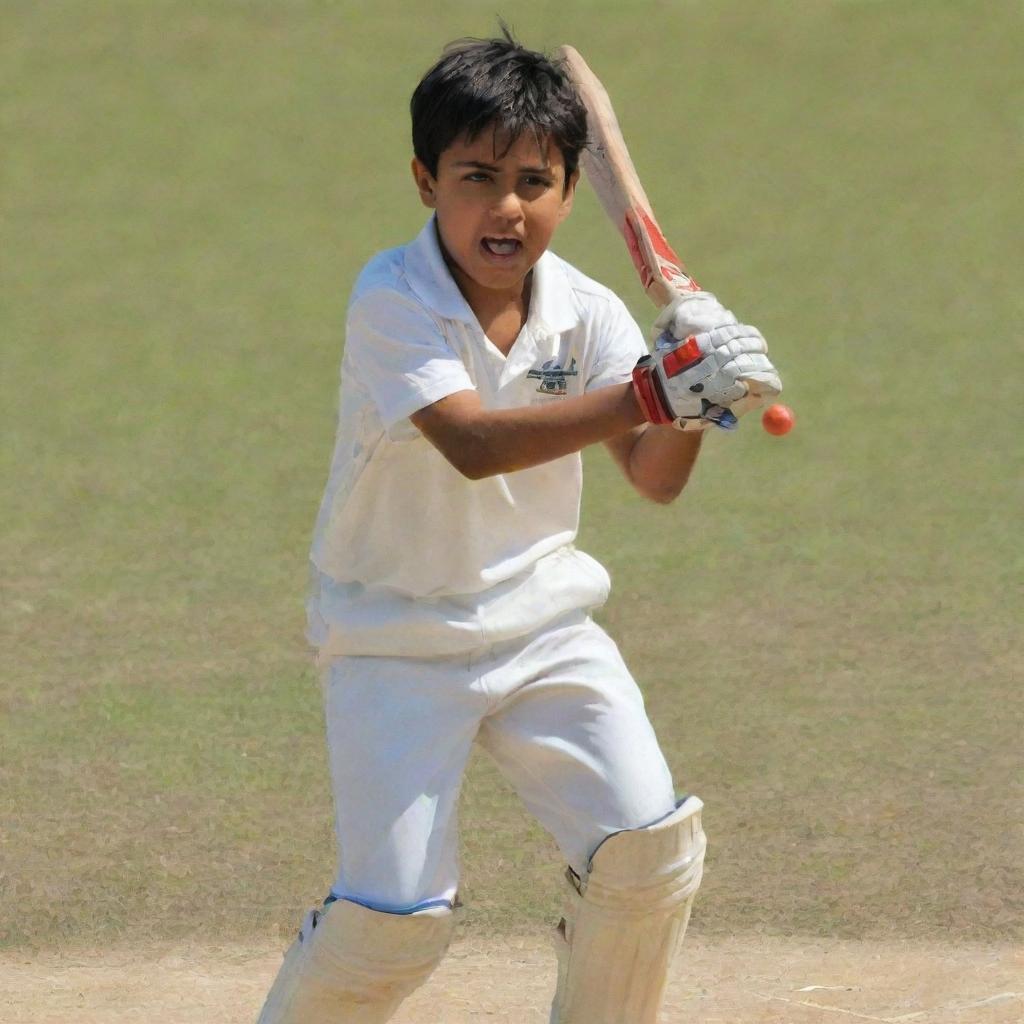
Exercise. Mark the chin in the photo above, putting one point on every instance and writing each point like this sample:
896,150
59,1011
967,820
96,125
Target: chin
496,278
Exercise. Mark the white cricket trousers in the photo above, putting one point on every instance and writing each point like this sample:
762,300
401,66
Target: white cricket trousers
558,711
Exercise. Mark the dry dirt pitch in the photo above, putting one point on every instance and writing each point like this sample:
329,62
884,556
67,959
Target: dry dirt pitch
767,981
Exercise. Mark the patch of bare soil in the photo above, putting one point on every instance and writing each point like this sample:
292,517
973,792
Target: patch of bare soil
743,981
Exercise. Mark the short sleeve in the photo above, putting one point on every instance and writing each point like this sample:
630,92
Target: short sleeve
400,355
620,344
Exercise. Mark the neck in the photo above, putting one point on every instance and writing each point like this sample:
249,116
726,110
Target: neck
501,317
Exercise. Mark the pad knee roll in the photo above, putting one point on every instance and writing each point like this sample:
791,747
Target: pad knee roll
626,920
356,965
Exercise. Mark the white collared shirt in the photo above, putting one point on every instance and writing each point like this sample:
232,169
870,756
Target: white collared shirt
409,556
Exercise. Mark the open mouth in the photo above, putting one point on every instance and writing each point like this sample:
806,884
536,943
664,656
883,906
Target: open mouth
501,247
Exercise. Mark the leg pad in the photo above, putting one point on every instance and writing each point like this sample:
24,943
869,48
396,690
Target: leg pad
626,919
355,965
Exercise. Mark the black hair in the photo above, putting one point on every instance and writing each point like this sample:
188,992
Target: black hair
496,83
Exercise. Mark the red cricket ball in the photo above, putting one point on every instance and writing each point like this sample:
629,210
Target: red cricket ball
778,419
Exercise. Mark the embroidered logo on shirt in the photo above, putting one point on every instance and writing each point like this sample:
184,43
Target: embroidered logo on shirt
552,377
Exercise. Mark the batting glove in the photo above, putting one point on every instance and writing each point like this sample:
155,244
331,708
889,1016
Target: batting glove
711,374
697,312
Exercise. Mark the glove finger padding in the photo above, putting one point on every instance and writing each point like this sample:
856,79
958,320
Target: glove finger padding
738,340
710,365
762,381
747,363
734,340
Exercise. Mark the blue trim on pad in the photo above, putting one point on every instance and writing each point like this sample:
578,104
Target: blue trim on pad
680,800
388,908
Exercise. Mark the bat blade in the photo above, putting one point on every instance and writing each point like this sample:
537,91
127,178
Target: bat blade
612,175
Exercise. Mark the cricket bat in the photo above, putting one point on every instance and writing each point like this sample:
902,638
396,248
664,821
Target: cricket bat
610,171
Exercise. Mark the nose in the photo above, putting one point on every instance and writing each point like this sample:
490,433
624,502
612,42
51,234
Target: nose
508,207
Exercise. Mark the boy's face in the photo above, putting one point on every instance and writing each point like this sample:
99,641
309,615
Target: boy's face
496,213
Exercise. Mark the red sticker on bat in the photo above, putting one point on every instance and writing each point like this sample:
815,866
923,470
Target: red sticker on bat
669,263
661,247
633,244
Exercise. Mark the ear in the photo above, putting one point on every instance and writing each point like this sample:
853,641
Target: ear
425,183
568,195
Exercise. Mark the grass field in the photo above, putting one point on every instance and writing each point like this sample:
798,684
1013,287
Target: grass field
826,627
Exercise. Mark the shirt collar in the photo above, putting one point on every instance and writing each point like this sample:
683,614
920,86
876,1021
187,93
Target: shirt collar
552,302
429,277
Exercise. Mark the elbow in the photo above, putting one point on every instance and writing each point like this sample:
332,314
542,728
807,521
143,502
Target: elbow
473,470
472,461
662,491
662,495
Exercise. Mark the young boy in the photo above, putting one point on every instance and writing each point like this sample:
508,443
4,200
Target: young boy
450,606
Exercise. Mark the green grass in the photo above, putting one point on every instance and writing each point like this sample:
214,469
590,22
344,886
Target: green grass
826,627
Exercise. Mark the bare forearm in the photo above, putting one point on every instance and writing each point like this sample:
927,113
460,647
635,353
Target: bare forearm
483,442
661,461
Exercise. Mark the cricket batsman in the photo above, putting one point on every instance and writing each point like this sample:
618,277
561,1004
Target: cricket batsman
450,605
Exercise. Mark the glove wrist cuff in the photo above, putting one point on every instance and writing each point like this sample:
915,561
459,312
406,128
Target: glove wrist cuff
645,387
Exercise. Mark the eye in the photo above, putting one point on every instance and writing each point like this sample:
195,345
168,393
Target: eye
477,176
536,181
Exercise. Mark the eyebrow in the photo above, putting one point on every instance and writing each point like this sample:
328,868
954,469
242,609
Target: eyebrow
493,167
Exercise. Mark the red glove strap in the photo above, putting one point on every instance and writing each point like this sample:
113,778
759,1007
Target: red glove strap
647,395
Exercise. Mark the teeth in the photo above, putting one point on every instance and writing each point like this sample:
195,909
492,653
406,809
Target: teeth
501,246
